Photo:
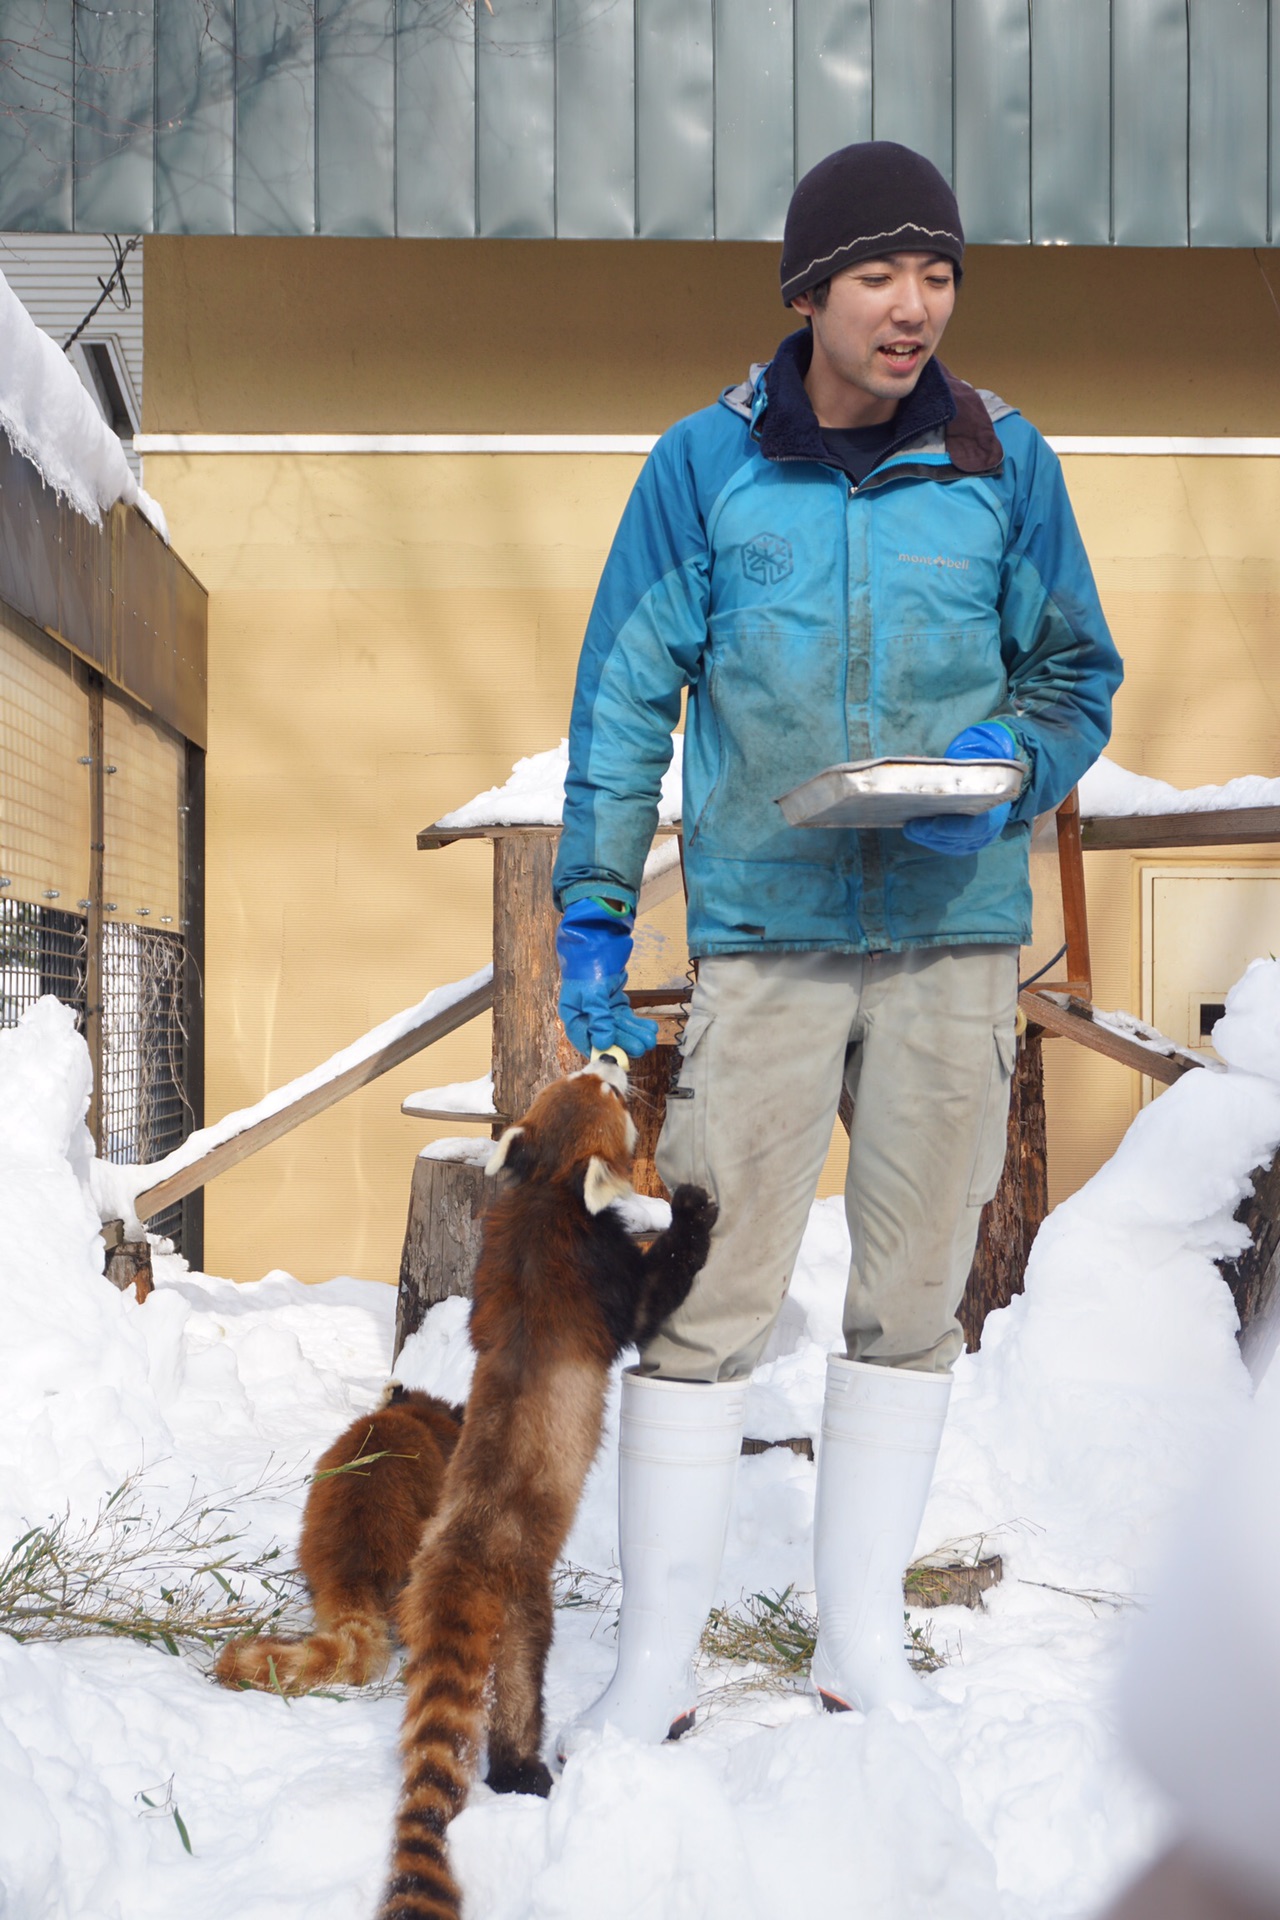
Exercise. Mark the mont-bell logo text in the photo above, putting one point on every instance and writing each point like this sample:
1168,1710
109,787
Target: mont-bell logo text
767,559
934,560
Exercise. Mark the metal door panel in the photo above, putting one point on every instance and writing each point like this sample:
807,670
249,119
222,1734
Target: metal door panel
911,72
275,116
435,119
595,119
1227,134
675,92
993,130
115,111
1071,122
1149,117
754,121
515,120
356,118
833,77
195,117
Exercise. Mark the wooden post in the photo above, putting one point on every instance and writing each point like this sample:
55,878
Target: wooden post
529,1047
1075,914
447,1201
1011,1221
650,1079
93,983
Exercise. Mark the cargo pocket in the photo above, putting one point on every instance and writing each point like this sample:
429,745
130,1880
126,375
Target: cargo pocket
682,1145
993,1132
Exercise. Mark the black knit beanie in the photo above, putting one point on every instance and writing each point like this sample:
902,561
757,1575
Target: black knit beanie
864,202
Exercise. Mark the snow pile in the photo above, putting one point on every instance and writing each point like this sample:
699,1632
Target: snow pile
1073,1435
533,794
50,420
1109,792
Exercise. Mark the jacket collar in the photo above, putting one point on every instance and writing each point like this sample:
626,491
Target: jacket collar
940,408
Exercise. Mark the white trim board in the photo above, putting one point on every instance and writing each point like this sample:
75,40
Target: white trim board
632,443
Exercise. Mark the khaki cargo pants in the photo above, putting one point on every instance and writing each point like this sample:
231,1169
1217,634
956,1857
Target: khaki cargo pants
925,1043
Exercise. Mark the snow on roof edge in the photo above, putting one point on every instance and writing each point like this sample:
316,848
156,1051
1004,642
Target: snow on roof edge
49,419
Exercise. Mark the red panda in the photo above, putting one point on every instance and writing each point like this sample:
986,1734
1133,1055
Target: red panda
371,1494
560,1289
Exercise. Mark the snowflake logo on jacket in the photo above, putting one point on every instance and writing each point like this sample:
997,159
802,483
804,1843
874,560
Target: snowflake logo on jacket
767,559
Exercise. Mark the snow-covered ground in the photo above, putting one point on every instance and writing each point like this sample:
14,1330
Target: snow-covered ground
1074,1433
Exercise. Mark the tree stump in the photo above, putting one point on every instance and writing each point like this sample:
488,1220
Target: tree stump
129,1265
447,1202
946,1584
1253,1275
1012,1219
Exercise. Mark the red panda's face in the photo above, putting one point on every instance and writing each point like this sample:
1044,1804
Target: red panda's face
577,1126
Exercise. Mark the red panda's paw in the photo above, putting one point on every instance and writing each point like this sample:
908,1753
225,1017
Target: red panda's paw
694,1207
520,1776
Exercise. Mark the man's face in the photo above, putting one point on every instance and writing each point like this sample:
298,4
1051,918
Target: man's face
882,322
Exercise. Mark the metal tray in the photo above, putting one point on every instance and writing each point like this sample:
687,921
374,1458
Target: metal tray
889,792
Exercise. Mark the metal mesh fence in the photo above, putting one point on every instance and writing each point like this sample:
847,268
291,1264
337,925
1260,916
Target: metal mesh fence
41,951
145,1112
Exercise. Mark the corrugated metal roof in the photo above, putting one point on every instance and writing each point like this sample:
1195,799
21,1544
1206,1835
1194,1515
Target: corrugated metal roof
1138,122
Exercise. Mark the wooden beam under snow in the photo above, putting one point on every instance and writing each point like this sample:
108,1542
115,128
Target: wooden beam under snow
1076,1022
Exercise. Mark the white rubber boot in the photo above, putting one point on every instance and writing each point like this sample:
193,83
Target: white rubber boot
678,1452
880,1432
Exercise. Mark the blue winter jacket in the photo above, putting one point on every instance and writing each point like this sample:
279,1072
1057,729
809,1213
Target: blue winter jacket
815,622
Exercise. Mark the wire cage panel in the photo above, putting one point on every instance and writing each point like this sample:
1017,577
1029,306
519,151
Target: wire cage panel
44,776
142,816
55,937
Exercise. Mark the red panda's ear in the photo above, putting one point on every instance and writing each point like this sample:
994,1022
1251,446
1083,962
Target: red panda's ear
507,1153
603,1185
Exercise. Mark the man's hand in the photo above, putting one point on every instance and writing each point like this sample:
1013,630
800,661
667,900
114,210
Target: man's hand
968,832
594,945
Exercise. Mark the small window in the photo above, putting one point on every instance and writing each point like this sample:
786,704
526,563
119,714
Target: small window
101,367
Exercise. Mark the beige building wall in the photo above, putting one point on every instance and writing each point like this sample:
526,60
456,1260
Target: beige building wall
388,633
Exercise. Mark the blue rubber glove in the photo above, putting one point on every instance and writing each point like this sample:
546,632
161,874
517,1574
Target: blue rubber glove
968,832
594,945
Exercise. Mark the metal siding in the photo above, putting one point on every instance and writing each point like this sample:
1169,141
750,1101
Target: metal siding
435,120
595,119
754,125
36,133
833,77
675,96
993,132
1063,120
195,117
1071,121
115,117
356,118
1149,108
275,116
1273,131
911,76
516,120
1228,122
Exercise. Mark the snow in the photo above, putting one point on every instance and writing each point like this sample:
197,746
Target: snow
1129,1027
116,1186
50,419
1075,1434
1109,791
533,793
459,1096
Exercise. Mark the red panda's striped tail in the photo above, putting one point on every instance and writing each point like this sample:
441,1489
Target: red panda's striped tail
452,1638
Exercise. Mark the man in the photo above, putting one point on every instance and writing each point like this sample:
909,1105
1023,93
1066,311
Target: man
853,554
